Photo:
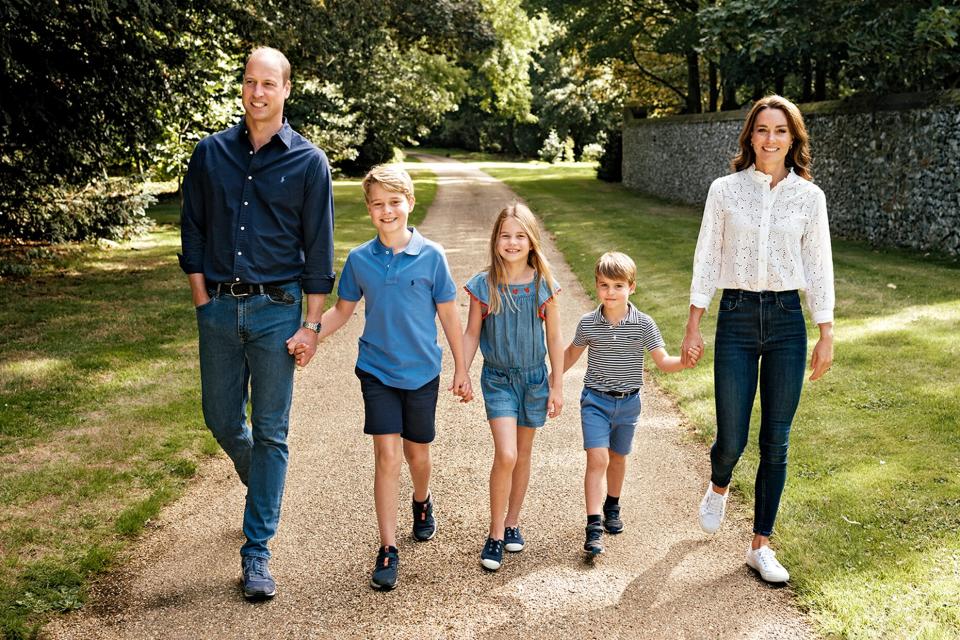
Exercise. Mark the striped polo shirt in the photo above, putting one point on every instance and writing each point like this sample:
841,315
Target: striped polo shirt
615,352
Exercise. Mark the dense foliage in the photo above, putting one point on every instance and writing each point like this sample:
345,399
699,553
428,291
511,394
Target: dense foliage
95,90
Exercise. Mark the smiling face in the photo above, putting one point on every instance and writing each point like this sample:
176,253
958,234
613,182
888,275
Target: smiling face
614,294
513,242
264,90
771,138
388,210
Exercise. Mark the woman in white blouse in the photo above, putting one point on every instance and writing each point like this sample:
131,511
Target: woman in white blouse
764,236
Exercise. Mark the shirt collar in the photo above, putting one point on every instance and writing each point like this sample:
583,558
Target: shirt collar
632,317
413,247
765,178
285,134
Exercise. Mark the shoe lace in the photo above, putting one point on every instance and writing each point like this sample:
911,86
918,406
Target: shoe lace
714,504
257,566
767,557
594,533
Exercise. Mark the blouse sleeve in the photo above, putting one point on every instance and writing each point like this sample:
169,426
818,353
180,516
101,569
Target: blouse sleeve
817,257
707,257
544,295
478,289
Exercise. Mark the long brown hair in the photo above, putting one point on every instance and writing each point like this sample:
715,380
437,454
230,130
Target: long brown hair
497,272
798,156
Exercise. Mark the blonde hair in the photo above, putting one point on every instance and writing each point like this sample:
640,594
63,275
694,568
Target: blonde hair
798,156
391,177
276,53
617,266
497,272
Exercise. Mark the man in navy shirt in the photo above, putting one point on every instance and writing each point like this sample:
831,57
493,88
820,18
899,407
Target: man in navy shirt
256,230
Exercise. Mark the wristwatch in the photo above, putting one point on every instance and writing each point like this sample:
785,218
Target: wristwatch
313,326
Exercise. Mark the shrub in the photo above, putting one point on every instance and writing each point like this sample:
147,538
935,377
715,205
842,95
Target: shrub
552,149
611,162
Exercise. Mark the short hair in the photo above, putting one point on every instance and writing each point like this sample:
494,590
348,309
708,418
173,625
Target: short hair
798,157
391,177
276,53
614,265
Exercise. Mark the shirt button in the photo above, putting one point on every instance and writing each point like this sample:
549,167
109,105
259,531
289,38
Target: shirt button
237,279
249,177
239,253
251,153
245,203
242,228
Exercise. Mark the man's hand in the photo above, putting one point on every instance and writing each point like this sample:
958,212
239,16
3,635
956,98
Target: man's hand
461,386
302,346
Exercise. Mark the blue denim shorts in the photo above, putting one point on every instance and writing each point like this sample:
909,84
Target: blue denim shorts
607,422
408,412
516,393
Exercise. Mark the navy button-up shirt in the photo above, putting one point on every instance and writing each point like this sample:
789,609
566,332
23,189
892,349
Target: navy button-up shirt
258,217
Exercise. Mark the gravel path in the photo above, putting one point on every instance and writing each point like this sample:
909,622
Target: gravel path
661,578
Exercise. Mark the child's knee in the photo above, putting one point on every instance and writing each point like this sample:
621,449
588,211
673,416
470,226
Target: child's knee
597,458
617,459
505,458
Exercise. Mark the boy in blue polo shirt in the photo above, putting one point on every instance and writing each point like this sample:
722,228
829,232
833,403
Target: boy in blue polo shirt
406,283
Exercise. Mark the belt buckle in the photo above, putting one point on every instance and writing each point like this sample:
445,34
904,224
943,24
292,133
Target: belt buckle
237,295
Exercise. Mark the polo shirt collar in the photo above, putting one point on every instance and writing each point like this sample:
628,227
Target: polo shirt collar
413,247
632,317
285,134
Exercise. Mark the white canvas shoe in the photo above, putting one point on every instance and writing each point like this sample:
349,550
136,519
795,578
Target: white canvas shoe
712,508
764,560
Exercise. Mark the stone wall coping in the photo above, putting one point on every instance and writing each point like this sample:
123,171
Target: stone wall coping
860,104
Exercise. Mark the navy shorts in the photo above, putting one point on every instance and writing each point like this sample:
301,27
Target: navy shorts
408,412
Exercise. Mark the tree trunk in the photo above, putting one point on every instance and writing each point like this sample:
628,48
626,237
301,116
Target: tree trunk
693,83
729,95
820,79
714,91
806,77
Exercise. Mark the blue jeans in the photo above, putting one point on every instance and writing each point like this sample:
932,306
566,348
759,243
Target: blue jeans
758,333
243,356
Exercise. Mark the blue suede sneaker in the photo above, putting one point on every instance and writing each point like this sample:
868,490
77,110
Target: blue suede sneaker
512,540
258,584
385,571
492,555
424,524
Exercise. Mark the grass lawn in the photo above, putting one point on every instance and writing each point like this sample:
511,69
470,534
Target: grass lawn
870,521
101,422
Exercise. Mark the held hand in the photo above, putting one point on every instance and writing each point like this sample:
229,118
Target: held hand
302,346
822,357
555,402
693,356
692,348
461,386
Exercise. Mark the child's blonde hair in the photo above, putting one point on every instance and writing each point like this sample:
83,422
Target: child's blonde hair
391,177
497,272
614,265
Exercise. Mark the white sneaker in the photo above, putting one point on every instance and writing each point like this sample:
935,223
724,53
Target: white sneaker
764,560
712,508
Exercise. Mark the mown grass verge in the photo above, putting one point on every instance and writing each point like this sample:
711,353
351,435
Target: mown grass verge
870,521
99,386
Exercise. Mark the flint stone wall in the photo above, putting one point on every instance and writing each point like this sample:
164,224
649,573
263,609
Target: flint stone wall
890,166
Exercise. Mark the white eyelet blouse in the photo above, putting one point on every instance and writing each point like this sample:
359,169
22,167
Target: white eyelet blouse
760,239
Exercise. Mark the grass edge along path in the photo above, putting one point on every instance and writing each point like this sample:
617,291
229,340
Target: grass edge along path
870,520
100,424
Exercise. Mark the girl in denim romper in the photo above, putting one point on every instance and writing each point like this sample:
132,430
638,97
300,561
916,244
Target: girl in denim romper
515,328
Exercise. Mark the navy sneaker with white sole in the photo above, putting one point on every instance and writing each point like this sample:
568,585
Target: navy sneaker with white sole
258,584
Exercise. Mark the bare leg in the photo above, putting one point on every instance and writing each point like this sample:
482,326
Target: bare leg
386,481
616,472
420,463
597,460
504,432
521,475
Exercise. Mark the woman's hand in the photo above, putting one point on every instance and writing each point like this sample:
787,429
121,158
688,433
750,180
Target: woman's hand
822,356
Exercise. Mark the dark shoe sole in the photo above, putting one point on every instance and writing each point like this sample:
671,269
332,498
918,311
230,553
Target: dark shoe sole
612,531
382,587
255,597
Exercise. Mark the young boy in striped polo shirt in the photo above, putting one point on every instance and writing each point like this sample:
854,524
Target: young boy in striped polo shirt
617,335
